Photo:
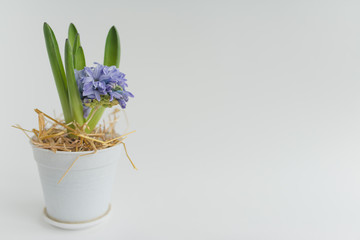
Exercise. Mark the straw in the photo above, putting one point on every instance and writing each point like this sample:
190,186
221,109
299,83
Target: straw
73,138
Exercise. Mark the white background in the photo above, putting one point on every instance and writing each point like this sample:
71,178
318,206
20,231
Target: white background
247,116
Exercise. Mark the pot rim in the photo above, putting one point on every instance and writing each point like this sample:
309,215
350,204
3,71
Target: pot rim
74,153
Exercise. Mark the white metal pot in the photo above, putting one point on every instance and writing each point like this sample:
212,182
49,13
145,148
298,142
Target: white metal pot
82,198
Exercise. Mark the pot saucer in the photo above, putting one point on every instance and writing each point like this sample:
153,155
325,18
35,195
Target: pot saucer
76,225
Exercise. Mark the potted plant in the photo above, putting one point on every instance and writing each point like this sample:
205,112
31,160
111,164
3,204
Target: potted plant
76,157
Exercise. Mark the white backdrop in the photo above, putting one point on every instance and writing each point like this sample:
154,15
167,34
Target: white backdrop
247,116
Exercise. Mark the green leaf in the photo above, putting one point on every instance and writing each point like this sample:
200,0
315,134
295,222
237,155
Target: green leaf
112,48
79,59
73,91
76,46
76,43
72,34
58,70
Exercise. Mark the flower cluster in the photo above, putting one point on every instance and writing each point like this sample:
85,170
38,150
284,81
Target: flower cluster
102,86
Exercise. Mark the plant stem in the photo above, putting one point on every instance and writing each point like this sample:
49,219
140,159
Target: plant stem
95,114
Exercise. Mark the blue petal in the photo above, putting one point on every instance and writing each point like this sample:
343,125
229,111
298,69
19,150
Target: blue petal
97,71
86,111
122,103
97,95
88,79
117,95
129,94
88,72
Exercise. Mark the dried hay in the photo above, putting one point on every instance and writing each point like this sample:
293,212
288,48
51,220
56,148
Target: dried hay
55,135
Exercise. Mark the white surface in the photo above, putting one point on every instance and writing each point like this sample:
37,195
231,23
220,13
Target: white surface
77,226
84,194
247,116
